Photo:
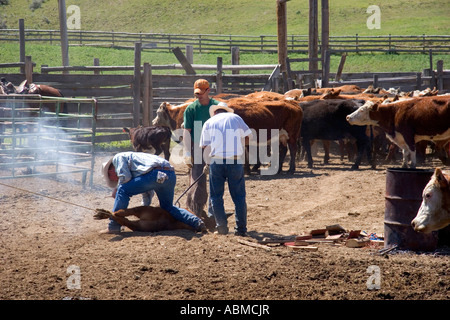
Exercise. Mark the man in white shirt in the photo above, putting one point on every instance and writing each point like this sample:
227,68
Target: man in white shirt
224,134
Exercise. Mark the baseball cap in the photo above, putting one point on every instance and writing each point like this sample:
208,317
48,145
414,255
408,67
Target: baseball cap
200,86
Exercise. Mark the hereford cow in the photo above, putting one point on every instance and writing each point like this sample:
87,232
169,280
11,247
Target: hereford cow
407,122
434,212
146,138
150,219
326,120
258,114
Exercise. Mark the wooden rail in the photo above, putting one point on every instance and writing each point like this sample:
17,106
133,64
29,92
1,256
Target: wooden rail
224,43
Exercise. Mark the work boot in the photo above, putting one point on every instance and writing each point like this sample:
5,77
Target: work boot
221,230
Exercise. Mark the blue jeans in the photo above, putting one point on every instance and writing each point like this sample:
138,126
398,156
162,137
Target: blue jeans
164,191
234,174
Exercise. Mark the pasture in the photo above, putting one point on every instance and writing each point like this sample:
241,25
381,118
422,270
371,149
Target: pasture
42,239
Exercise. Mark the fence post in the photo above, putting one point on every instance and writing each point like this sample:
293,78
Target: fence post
356,43
272,83
375,81
22,43
282,34
219,78
325,27
96,63
28,69
313,46
326,68
147,113
433,78
190,53
440,75
137,83
341,67
418,81
235,58
183,60
63,33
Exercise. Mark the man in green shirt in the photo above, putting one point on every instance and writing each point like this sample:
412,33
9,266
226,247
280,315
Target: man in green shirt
195,116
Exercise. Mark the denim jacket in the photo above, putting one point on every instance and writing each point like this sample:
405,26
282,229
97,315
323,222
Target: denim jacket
134,164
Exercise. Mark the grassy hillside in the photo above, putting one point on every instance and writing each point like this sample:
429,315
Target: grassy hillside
246,17
249,17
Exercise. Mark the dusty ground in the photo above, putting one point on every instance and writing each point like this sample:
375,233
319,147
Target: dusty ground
42,238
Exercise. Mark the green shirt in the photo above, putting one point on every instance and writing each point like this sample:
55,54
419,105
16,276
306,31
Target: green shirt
197,112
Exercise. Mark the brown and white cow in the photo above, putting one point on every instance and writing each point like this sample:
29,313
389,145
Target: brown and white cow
434,212
258,114
408,121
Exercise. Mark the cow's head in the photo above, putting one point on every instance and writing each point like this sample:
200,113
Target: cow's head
361,117
434,212
331,94
162,116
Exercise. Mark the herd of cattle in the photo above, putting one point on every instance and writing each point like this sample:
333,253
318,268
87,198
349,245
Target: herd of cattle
375,124
379,122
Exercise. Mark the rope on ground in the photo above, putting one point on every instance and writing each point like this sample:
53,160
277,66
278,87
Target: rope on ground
42,195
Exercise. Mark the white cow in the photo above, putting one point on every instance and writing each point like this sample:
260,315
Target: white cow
434,212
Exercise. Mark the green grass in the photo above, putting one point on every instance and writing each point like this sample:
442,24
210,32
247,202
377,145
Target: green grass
247,17
237,17
114,146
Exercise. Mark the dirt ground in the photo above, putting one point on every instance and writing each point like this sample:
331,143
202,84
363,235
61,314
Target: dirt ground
43,240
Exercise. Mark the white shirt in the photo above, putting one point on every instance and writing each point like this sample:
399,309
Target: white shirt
224,132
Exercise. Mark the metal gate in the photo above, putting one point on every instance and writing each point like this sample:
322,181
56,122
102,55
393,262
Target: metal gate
39,137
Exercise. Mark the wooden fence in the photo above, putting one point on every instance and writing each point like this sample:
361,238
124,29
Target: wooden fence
129,100
224,43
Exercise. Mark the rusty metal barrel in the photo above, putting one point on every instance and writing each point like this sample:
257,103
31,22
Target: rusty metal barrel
403,198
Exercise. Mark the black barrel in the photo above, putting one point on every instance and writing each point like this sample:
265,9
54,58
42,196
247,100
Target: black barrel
403,198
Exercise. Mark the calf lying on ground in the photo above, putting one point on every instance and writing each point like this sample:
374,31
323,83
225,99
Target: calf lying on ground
434,212
151,219
146,138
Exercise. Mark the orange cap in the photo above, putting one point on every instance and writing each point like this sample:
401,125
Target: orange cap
200,86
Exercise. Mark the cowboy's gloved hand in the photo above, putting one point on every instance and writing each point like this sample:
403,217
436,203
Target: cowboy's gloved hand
206,169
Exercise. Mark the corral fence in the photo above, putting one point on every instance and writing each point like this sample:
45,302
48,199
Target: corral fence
131,99
47,137
223,43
